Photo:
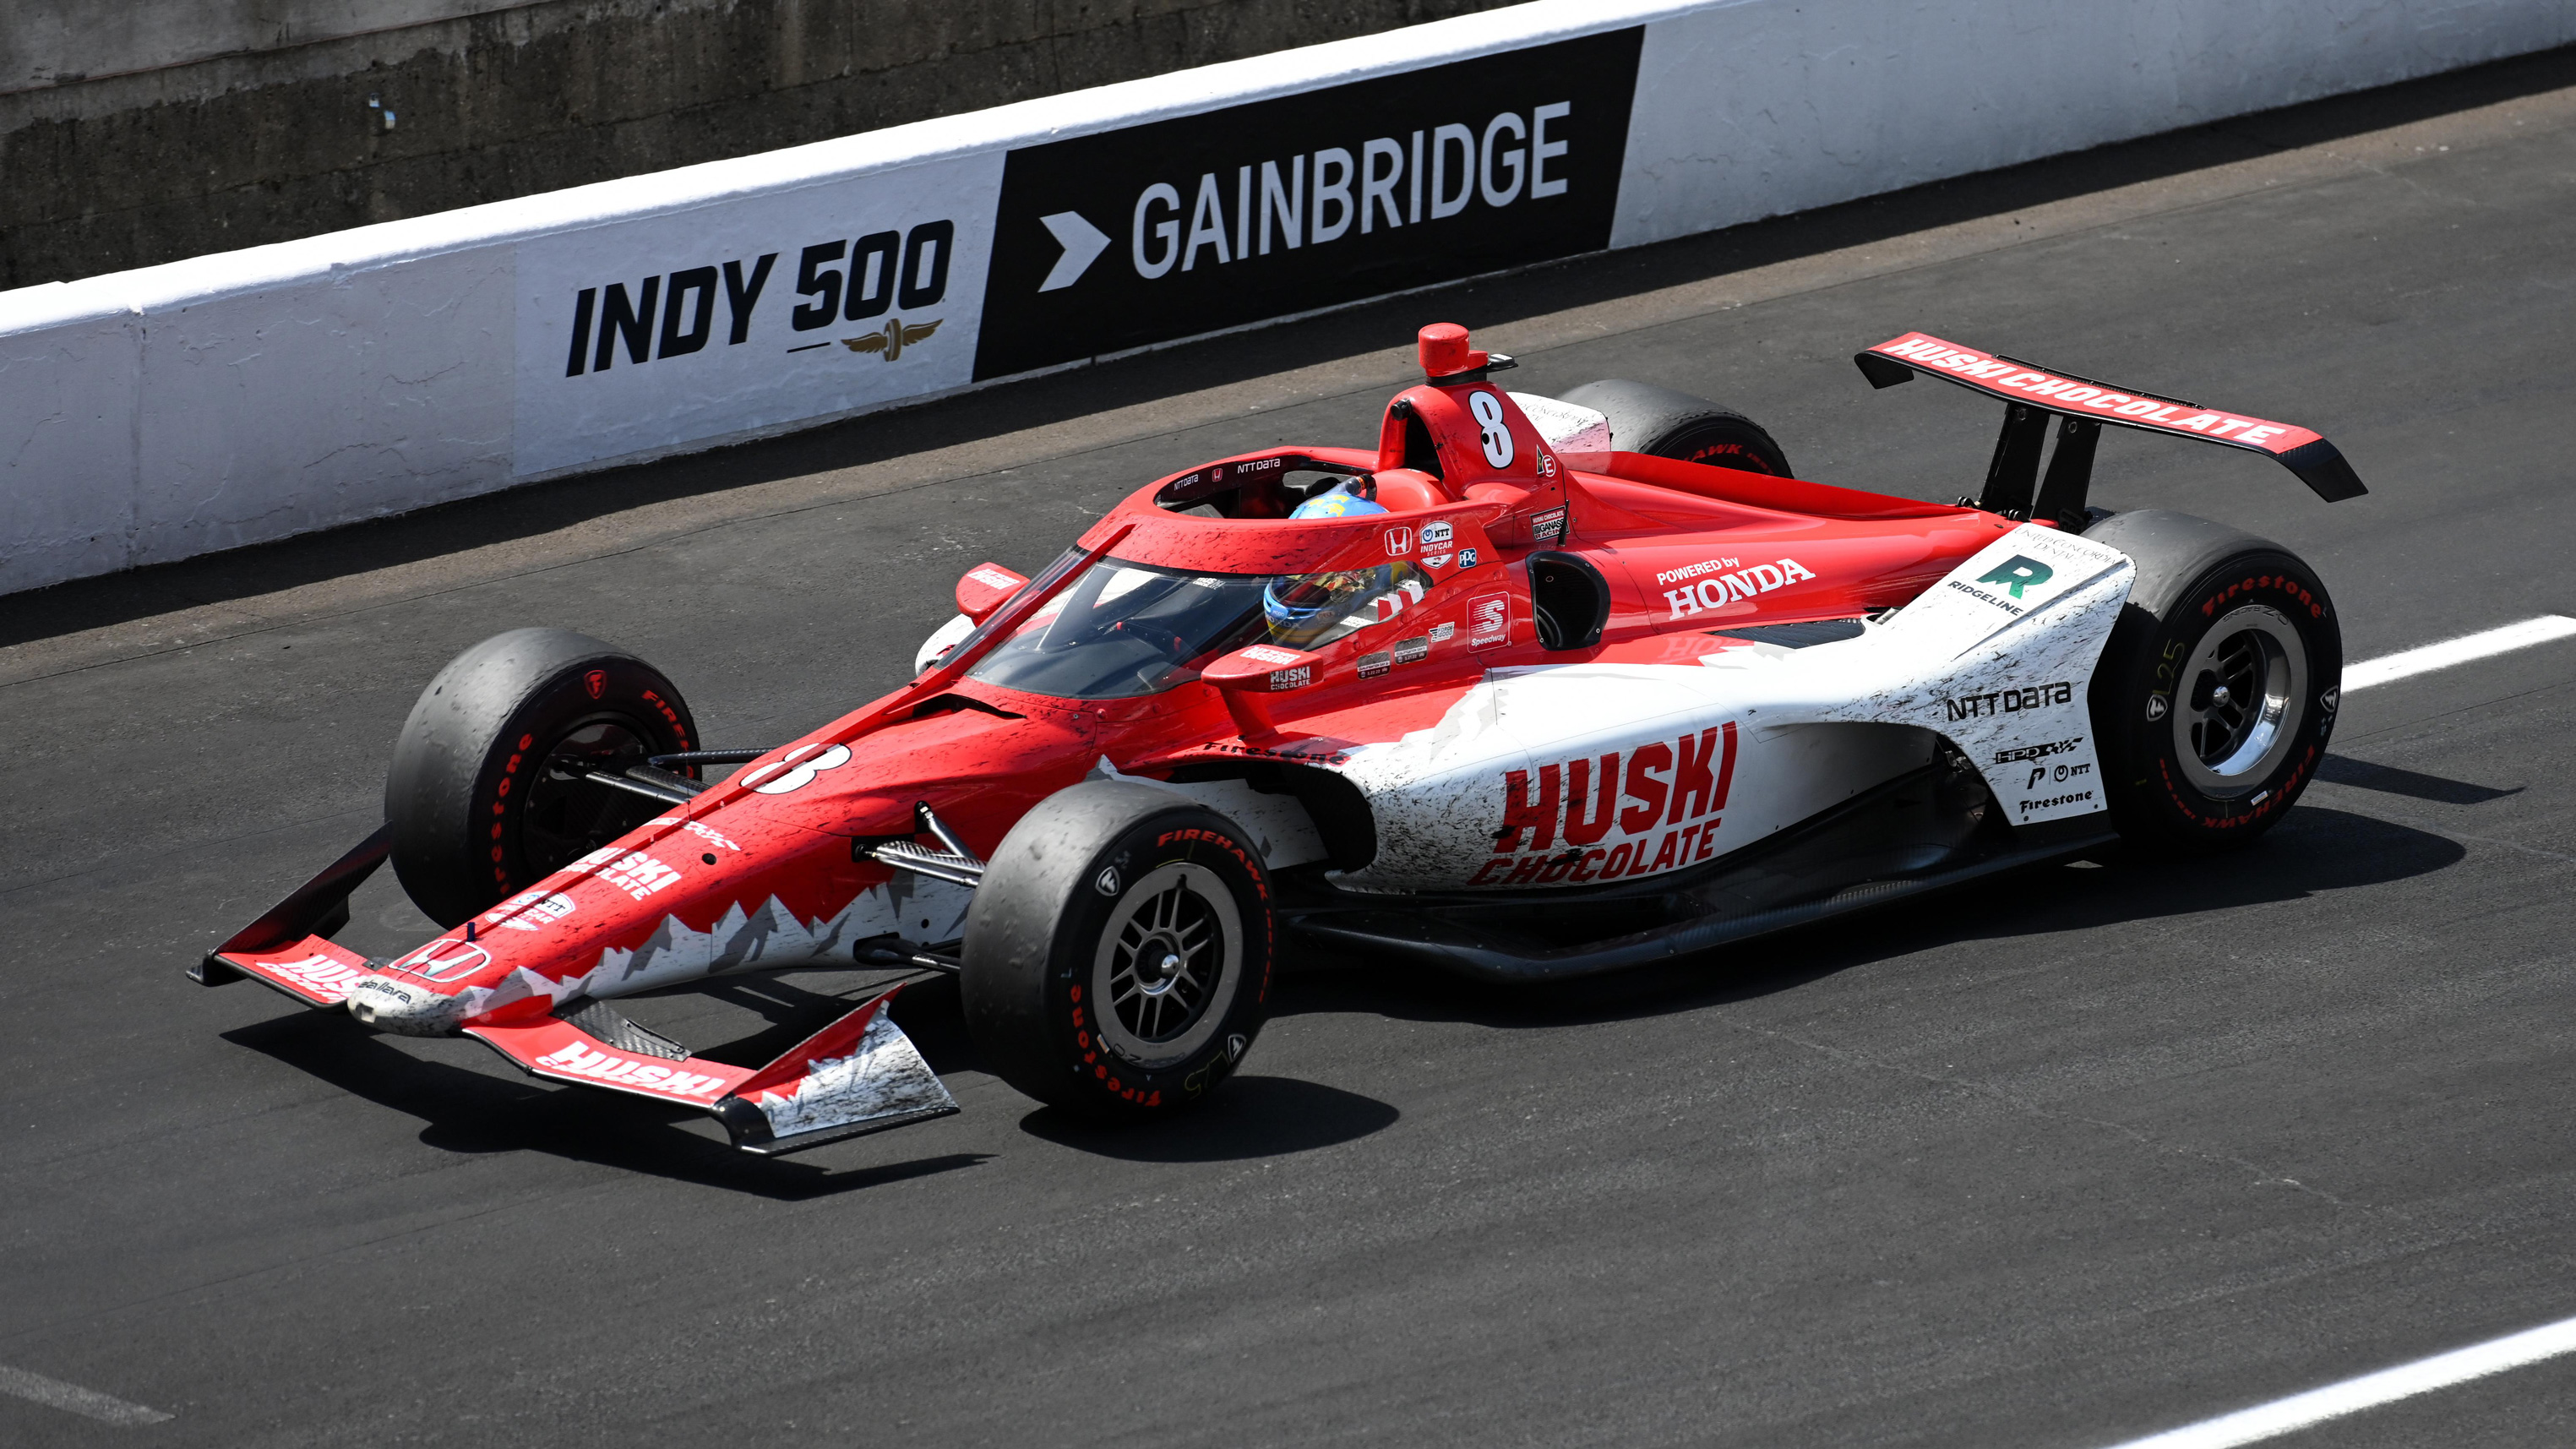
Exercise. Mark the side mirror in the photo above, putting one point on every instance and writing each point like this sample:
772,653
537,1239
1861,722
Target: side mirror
1250,675
985,588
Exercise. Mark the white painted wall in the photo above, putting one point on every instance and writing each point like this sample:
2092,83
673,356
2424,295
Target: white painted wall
151,415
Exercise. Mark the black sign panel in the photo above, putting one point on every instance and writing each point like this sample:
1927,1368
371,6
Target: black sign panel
1181,227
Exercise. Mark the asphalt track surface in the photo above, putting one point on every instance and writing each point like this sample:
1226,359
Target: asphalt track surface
2067,1159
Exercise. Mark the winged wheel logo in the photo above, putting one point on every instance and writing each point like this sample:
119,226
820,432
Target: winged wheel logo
897,336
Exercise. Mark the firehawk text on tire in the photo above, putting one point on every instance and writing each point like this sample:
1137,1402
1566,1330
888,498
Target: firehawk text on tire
1117,960
485,795
1658,421
2219,685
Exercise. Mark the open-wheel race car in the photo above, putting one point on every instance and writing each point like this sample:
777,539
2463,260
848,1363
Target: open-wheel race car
1530,689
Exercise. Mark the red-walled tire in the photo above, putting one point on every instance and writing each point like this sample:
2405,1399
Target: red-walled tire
1118,956
1663,423
478,794
2219,686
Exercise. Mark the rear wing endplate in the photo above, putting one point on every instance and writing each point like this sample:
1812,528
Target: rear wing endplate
2033,394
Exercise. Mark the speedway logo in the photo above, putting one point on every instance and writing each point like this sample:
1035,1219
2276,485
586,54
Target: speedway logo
1712,593
634,872
2008,701
1619,814
1489,620
610,1069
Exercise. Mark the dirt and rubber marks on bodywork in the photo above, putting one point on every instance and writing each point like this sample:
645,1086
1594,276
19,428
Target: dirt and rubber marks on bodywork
1614,816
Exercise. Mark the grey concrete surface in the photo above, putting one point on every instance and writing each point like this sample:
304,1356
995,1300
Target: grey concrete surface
217,127
2053,1162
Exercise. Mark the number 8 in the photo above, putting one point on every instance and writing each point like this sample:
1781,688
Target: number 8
1496,437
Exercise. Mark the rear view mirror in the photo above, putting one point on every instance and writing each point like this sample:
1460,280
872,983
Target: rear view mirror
985,588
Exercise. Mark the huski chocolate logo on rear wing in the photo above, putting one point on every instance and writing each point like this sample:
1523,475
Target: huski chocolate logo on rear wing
2083,406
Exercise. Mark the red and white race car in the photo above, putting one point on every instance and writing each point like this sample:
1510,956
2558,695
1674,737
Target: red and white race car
1534,687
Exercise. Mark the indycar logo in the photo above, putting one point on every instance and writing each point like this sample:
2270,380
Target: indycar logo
634,872
1712,593
1616,817
1437,534
1399,542
2008,701
443,960
1489,620
610,1069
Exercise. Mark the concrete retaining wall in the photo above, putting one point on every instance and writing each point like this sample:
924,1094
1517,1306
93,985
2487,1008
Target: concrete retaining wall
142,131
155,414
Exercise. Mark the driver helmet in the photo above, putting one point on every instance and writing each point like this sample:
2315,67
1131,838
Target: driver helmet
1337,502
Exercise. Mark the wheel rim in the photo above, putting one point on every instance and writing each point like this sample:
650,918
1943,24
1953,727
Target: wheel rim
2243,694
1169,960
565,817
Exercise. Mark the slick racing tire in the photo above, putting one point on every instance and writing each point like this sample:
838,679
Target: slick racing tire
1663,423
1117,959
2218,688
483,795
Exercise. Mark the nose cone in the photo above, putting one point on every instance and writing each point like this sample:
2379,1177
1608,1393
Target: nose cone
403,1008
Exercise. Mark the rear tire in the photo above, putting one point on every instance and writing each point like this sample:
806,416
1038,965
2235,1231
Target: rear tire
2218,689
480,794
1662,423
1117,959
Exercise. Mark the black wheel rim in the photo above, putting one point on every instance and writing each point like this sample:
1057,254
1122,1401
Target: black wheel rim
1168,965
565,815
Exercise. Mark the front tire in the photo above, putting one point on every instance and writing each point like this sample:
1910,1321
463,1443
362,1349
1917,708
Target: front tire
2219,686
1117,960
484,794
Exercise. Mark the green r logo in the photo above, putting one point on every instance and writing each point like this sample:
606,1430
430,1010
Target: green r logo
2018,573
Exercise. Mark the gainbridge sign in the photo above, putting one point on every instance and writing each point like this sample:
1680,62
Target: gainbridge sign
1179,227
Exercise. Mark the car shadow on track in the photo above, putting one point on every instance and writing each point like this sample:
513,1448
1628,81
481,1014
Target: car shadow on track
469,1112
2313,851
1252,1117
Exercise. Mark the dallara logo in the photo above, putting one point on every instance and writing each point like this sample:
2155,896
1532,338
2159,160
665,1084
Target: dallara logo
891,342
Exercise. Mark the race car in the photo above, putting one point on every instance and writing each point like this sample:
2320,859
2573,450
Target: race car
1532,688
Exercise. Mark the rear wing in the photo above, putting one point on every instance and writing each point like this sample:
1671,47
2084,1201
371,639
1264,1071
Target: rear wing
2082,406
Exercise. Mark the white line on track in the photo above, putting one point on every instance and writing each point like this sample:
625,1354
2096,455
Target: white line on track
2389,668
56,1394
2299,1411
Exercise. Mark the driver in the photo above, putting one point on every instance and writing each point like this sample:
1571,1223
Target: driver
1305,610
